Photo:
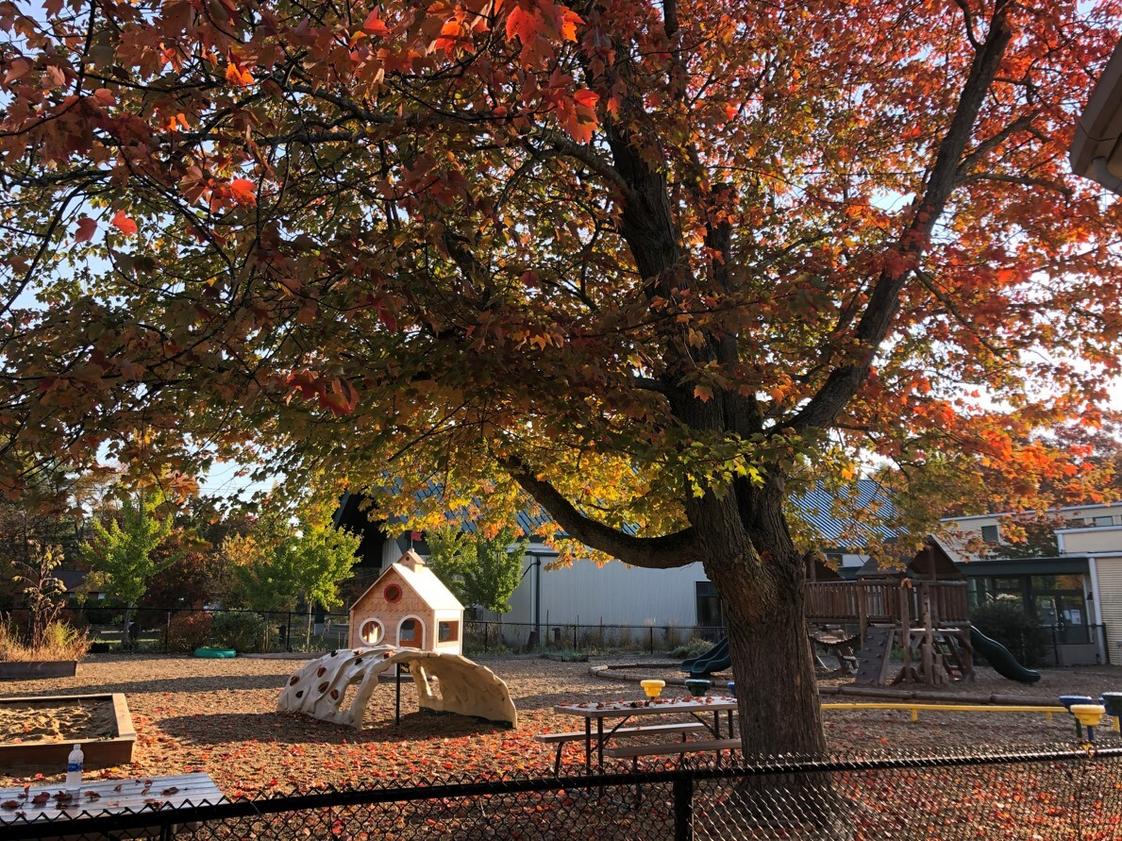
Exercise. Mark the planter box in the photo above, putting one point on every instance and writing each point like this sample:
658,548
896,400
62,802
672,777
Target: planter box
50,756
36,669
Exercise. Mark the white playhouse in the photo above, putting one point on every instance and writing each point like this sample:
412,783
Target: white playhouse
409,607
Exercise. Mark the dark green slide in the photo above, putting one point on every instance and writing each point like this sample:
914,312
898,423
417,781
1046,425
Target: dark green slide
716,659
998,656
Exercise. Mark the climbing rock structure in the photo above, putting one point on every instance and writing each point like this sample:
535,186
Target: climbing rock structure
447,683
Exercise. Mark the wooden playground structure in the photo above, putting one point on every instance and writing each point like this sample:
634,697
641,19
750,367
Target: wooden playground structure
928,622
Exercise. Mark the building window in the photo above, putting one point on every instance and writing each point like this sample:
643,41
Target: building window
989,534
709,612
409,632
392,593
447,631
1103,521
371,632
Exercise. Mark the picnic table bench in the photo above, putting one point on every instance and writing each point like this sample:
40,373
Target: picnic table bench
99,797
699,709
562,739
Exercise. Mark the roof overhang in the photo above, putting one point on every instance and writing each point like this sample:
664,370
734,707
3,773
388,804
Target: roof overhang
1096,151
1074,565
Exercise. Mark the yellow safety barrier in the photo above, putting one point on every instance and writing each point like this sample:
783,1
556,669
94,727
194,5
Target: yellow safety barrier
915,709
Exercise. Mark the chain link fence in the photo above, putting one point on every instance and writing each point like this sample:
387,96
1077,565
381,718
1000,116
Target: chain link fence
1041,795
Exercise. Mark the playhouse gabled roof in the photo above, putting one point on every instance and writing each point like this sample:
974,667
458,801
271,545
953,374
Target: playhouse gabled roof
421,580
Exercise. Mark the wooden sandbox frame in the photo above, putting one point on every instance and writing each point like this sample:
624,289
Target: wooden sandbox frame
99,753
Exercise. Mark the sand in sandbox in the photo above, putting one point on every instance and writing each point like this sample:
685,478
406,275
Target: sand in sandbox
56,721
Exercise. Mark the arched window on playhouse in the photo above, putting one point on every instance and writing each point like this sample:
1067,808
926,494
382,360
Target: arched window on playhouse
371,632
410,632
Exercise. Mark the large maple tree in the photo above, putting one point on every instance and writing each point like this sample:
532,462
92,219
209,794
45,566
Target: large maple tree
651,264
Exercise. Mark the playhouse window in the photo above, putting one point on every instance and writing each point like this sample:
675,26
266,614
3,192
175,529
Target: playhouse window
448,631
371,632
410,631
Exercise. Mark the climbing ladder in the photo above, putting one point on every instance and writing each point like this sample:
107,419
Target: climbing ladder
875,654
957,660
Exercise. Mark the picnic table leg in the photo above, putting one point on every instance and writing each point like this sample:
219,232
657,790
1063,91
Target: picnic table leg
600,744
731,734
588,744
717,732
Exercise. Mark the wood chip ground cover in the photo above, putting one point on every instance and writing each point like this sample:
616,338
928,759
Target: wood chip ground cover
219,716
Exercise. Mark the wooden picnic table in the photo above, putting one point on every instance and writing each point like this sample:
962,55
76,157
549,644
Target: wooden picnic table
108,796
598,711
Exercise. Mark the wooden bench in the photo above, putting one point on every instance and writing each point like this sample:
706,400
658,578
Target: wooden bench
561,739
670,748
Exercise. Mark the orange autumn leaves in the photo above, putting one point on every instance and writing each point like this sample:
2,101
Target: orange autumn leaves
538,28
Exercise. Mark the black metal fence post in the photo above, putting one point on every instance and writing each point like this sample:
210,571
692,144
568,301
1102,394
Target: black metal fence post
683,808
651,644
288,632
167,633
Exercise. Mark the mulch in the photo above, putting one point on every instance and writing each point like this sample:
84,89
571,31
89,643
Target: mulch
220,716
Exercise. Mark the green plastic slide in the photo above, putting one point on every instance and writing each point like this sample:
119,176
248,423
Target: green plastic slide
998,656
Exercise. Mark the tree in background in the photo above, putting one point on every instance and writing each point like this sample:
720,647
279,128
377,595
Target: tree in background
481,571
654,266
193,572
491,580
451,552
279,567
122,554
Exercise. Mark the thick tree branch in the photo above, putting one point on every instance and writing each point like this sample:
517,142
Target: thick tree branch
665,552
844,381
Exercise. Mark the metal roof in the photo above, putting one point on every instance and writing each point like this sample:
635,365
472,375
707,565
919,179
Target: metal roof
826,512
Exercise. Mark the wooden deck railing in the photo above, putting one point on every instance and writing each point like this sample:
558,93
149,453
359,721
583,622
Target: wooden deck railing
884,600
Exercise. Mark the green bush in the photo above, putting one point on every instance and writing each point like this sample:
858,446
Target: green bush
694,647
239,631
1006,621
189,630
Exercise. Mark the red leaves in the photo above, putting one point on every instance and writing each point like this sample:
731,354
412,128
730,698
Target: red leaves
523,25
86,229
243,191
340,399
539,27
337,395
238,75
124,224
374,25
576,111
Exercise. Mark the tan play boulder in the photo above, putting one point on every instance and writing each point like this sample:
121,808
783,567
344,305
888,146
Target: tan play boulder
447,683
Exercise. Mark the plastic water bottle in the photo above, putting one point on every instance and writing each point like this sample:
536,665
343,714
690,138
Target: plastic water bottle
74,764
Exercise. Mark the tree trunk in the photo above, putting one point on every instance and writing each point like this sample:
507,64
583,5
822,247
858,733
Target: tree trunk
763,590
773,664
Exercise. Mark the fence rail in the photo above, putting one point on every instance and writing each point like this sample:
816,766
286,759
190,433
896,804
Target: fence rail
1056,793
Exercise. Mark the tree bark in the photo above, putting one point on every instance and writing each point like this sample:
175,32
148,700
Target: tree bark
773,666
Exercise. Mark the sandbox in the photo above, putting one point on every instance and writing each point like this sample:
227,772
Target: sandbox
40,730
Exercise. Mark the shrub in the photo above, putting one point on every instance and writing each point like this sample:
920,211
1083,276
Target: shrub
189,630
1011,625
239,631
694,647
58,641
